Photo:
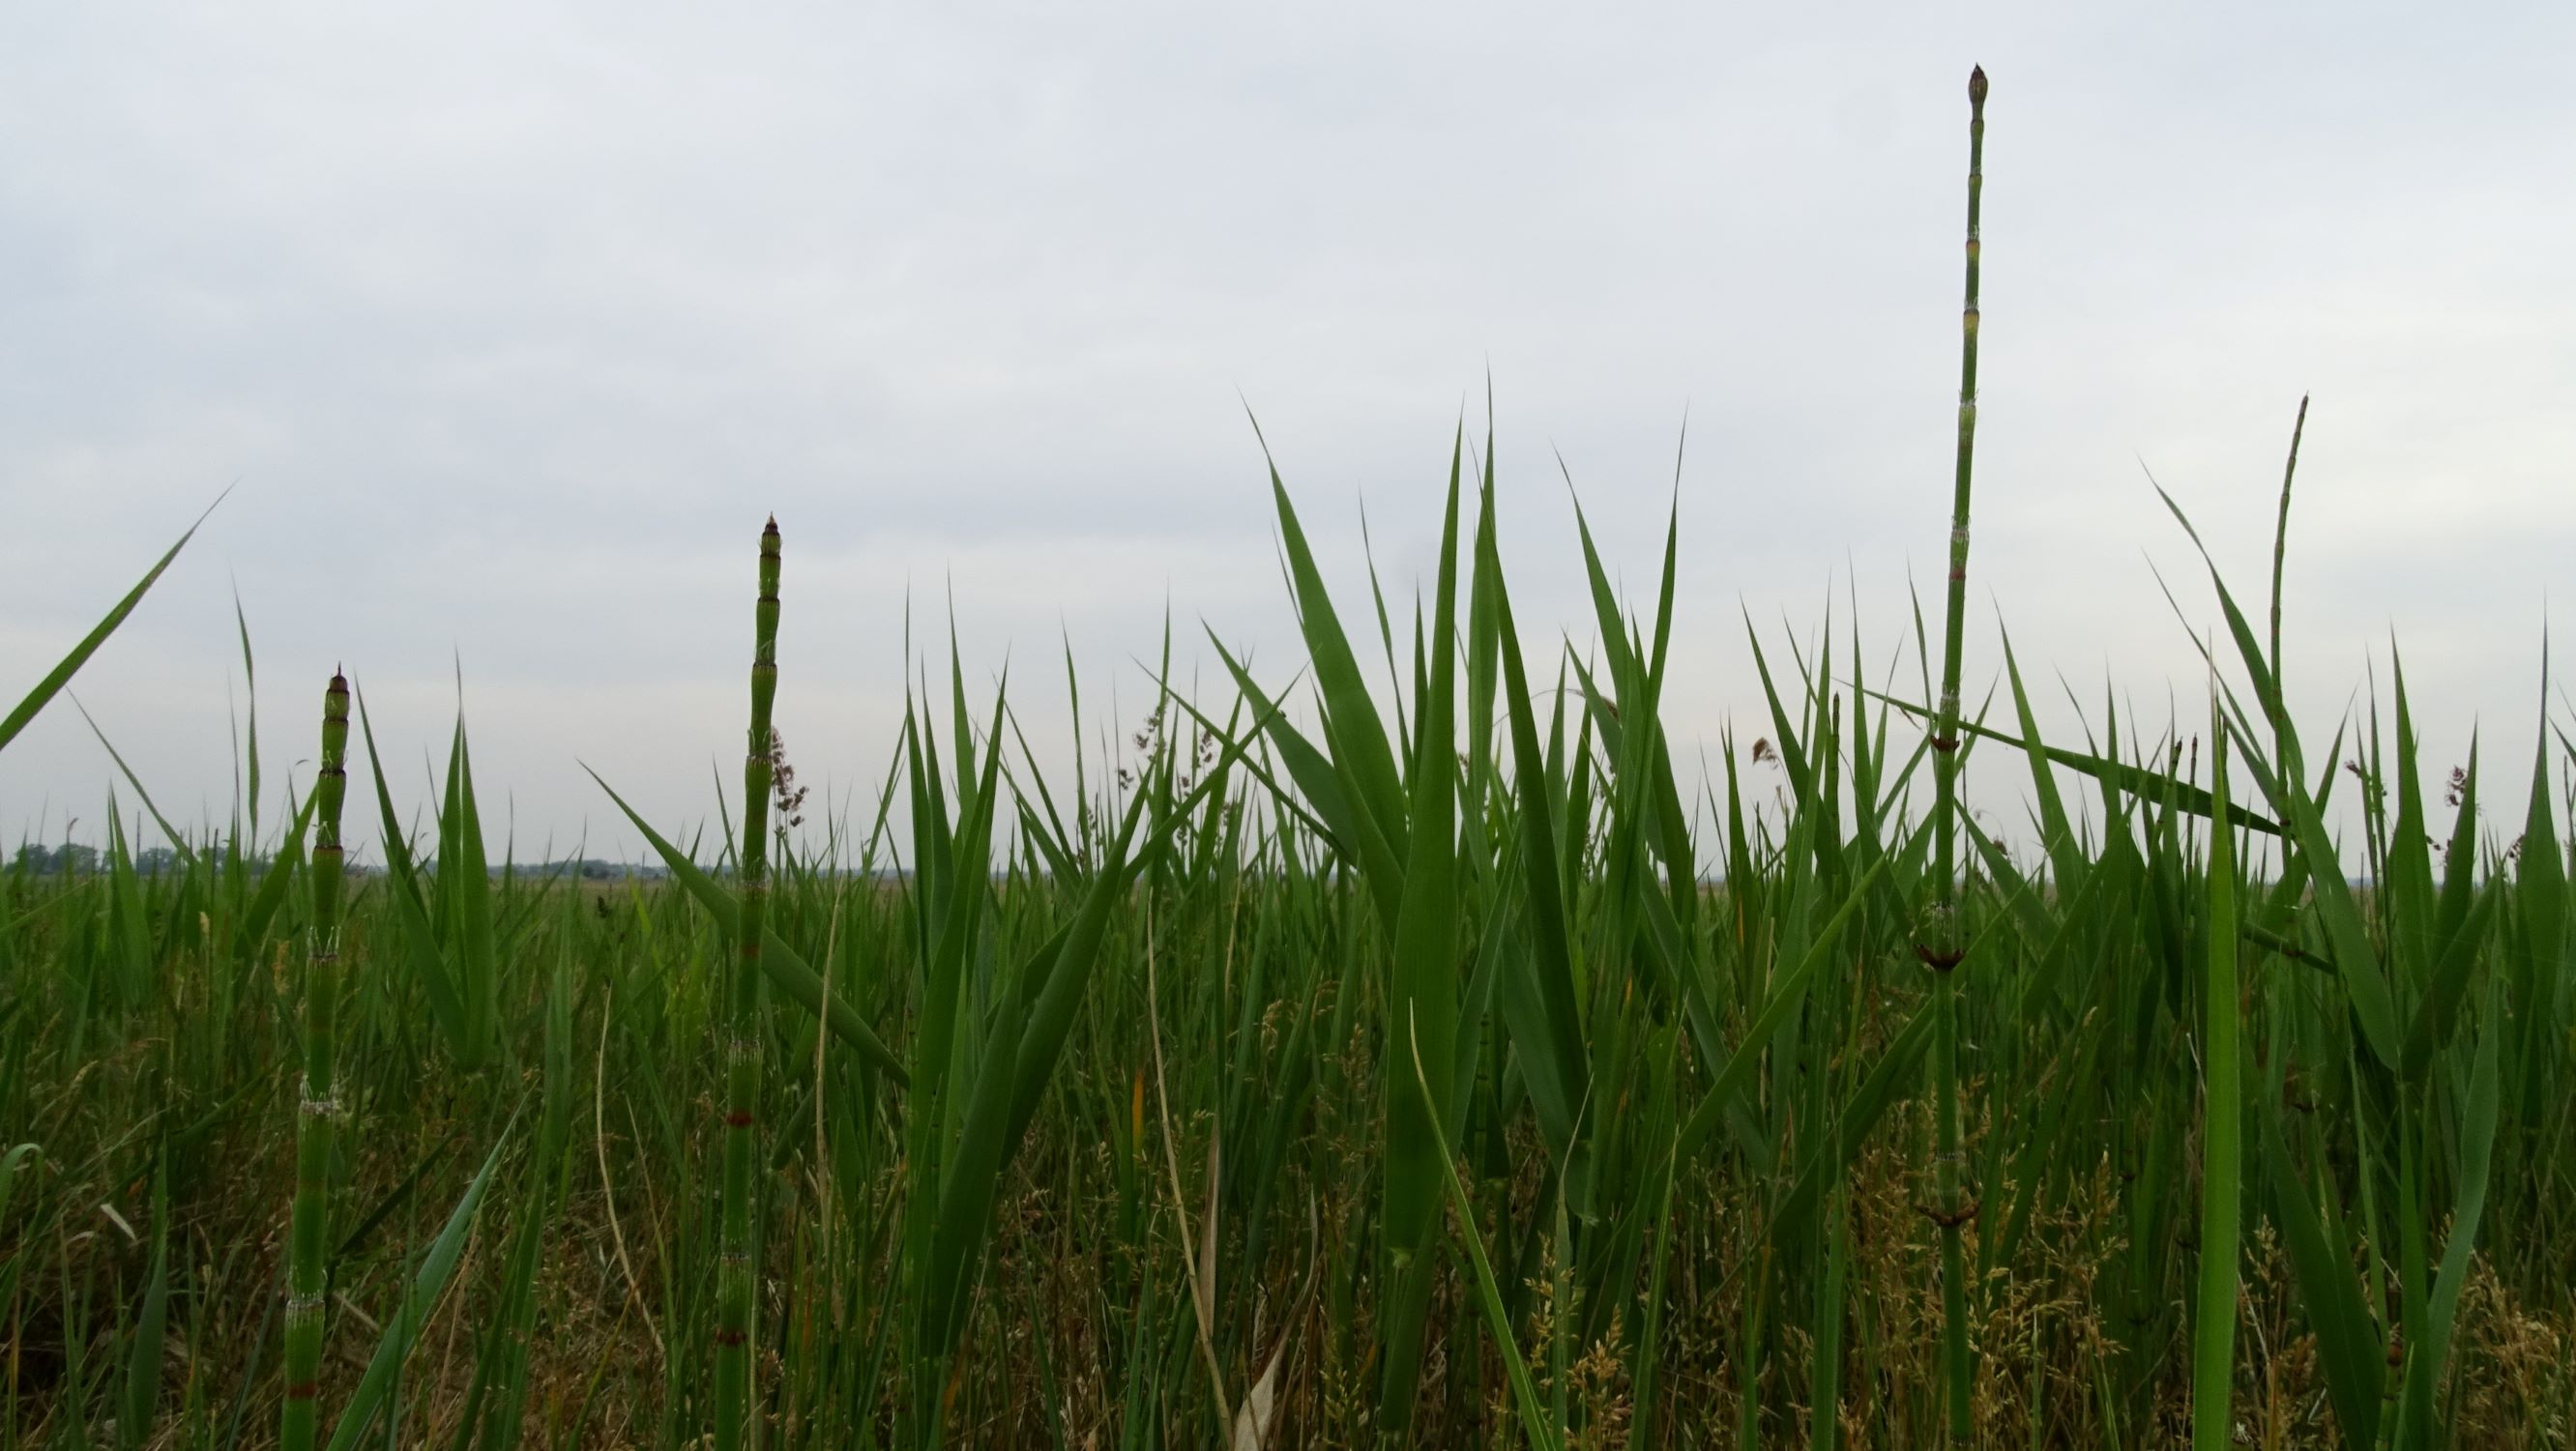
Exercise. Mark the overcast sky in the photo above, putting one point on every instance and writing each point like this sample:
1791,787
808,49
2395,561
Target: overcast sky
513,326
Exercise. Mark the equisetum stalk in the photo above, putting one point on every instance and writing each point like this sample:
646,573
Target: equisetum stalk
1942,943
315,1108
2222,1138
735,1278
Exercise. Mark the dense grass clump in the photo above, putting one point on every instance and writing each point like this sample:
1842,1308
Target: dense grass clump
1410,1063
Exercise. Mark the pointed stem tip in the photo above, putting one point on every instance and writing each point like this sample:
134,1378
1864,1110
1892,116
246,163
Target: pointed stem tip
1977,86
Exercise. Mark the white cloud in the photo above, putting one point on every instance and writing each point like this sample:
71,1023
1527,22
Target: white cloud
513,326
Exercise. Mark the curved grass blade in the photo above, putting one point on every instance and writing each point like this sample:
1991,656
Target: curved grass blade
2348,1338
403,1330
1784,999
272,887
142,1397
2137,781
465,897
784,965
1351,723
2365,981
1551,1038
1020,1055
1489,1295
60,676
1056,981
2540,898
2425,1365
177,842
1328,789
1423,991
420,939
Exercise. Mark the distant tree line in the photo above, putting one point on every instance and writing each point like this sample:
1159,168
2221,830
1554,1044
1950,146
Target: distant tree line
75,859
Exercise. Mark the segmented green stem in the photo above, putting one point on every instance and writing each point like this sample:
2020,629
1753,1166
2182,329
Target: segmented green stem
1943,944
314,1108
2222,1146
735,1277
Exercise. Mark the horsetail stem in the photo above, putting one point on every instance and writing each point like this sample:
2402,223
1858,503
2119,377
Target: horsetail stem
2222,1162
734,1276
1944,945
314,1109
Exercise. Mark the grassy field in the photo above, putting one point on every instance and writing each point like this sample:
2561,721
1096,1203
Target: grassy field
1432,1062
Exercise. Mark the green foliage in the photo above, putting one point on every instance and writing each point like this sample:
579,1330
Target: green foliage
1678,1157
61,675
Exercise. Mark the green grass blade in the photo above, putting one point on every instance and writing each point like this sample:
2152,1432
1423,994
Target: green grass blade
1551,1038
784,965
465,899
1489,1295
272,886
1351,722
403,1330
2213,1365
2365,981
1785,996
1328,788
141,1402
2426,1364
420,938
170,833
60,676
2137,781
2538,962
1423,993
2348,1337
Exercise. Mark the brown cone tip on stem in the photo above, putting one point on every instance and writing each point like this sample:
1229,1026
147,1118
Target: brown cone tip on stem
1977,86
773,525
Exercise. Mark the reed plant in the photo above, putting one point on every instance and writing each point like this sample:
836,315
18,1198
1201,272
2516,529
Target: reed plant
1941,946
737,1278
316,1108
1404,1044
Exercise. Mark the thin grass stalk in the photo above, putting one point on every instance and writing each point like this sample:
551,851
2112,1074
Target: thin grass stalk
2281,532
314,1106
1942,944
2222,1151
734,1274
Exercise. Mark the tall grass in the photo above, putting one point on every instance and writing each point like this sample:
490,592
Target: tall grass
1943,949
736,1276
1339,1061
315,1107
